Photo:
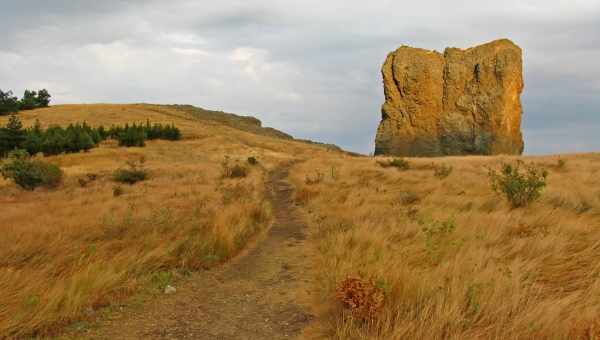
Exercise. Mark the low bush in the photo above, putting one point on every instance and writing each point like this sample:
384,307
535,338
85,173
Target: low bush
134,173
442,171
252,160
30,174
83,182
229,170
363,298
118,191
238,171
521,184
398,163
161,279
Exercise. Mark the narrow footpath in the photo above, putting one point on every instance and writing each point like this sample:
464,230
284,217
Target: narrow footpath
259,295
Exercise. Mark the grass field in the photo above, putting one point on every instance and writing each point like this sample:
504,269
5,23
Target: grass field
65,252
451,258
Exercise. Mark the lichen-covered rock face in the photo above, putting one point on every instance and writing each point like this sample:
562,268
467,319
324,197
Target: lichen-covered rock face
459,103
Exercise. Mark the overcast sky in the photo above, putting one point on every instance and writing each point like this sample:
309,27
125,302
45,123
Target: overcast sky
310,67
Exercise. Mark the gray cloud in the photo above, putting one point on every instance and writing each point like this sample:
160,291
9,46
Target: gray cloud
310,68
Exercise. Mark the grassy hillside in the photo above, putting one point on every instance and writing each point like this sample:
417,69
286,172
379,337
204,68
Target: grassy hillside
436,257
185,116
80,247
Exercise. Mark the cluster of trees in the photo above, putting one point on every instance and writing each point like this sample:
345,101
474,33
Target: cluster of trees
77,137
31,100
56,140
136,135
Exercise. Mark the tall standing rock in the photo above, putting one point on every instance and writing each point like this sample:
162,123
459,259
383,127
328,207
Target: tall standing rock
461,102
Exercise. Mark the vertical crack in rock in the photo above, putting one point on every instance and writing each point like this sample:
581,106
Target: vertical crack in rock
457,103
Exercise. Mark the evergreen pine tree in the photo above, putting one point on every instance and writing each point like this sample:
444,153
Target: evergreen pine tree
12,136
8,103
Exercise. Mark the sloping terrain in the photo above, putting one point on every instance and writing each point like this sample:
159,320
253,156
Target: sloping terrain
244,123
66,253
313,242
108,114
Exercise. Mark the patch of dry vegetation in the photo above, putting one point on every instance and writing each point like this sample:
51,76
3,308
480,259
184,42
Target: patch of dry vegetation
91,242
429,252
453,259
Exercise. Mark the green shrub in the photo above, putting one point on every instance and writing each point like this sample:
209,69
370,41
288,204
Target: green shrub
29,174
132,136
161,279
50,174
398,163
252,160
12,135
131,175
78,139
442,171
521,184
54,142
34,139
170,132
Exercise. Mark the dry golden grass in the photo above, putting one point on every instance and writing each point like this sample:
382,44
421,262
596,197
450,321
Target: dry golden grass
65,252
454,260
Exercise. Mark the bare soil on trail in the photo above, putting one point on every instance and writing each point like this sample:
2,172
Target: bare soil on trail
262,294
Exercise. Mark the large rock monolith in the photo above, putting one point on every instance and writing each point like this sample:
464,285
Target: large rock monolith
457,103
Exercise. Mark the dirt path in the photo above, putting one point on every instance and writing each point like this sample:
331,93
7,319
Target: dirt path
260,295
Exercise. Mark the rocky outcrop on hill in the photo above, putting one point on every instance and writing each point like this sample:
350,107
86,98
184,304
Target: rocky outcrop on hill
456,103
244,123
